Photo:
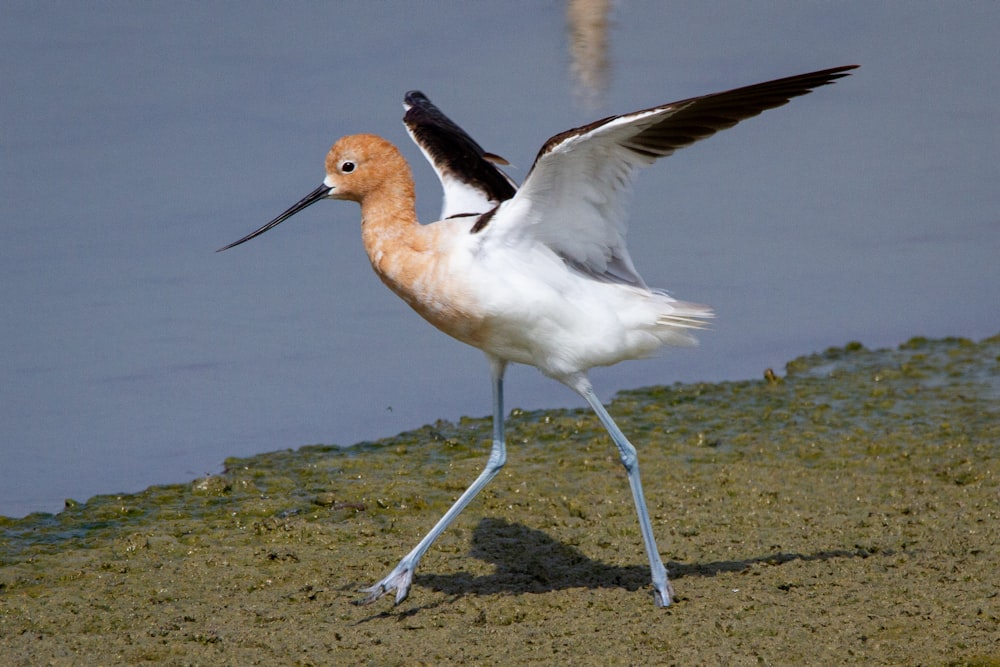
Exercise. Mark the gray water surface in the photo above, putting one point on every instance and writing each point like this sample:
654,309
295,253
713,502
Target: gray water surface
137,138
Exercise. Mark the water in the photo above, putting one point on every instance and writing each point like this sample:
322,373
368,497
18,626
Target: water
137,138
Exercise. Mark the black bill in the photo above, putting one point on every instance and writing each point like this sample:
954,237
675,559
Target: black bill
322,192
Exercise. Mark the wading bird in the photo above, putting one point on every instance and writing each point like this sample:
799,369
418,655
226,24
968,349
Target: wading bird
539,275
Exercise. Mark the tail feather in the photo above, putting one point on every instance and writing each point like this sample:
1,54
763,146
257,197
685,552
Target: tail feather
674,327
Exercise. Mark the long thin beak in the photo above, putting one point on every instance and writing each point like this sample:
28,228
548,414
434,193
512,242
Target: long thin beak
322,192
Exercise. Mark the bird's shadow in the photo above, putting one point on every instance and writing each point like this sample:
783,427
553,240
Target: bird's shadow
529,561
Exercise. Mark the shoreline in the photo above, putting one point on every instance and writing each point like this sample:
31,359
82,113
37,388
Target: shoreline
847,513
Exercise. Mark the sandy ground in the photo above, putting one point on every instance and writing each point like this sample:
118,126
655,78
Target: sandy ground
846,514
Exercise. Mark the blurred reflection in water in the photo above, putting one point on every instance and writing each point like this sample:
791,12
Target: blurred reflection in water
587,23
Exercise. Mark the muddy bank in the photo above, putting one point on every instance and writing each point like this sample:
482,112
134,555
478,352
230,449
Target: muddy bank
847,513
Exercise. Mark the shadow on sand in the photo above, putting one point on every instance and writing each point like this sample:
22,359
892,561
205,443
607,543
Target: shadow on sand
529,561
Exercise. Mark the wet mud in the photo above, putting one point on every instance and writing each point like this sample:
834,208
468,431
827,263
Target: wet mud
845,513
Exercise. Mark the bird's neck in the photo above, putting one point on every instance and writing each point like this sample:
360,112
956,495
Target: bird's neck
398,246
413,261
388,211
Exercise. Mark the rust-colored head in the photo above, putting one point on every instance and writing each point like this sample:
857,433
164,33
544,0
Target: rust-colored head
358,167
361,164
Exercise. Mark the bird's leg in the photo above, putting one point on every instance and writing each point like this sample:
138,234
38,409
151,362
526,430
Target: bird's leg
662,591
401,577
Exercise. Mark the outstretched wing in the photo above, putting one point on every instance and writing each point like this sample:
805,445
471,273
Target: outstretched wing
471,180
574,199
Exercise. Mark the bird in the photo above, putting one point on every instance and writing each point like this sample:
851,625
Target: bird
537,274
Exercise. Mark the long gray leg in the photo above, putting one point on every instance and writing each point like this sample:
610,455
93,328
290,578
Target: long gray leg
401,577
662,591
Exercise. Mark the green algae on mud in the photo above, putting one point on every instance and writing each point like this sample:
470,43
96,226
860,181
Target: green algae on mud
845,513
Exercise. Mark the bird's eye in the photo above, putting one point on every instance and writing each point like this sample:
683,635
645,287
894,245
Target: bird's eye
347,167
